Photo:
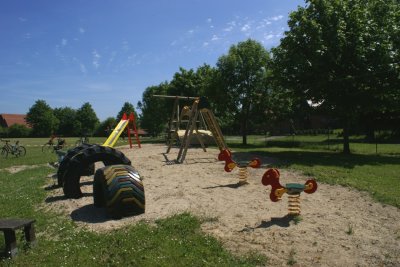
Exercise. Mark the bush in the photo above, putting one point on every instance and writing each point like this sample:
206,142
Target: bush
18,131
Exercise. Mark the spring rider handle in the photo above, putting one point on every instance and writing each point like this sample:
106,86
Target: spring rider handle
230,164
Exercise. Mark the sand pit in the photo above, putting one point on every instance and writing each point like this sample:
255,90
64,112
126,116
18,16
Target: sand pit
339,226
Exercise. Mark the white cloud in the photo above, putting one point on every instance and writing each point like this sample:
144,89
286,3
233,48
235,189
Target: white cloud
269,36
205,44
64,42
215,38
82,30
27,36
190,31
209,20
275,18
245,28
96,59
21,19
231,26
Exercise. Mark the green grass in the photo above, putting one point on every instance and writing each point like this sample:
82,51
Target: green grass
178,240
365,170
175,241
34,154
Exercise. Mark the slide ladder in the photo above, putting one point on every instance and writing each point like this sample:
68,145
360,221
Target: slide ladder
214,128
116,133
190,127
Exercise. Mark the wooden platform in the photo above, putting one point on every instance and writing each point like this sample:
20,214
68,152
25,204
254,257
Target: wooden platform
9,226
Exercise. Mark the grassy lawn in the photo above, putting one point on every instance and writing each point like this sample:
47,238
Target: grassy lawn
175,241
378,174
178,240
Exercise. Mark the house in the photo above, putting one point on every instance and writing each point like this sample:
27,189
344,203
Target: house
7,120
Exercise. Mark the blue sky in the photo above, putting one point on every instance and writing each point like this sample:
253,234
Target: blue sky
107,52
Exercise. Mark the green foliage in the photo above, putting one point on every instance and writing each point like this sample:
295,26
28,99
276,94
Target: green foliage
3,132
127,108
18,130
243,74
87,119
68,121
41,117
343,54
155,111
105,127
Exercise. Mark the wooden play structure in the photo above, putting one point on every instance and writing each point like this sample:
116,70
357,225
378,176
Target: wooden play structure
271,177
194,117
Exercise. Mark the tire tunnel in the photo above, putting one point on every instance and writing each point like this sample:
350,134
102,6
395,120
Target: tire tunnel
65,163
119,188
83,158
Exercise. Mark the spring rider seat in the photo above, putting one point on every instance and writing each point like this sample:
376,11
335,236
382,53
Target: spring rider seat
271,177
230,164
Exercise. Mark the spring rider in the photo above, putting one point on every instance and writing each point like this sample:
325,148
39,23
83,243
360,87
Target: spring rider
230,164
271,177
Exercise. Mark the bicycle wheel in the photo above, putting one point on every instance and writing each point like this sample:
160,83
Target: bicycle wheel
21,151
47,148
4,152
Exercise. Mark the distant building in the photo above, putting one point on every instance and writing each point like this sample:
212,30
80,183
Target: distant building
7,120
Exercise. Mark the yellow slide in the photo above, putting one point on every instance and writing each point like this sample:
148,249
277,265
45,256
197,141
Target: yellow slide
112,139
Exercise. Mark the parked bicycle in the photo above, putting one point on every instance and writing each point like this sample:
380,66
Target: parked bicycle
15,149
82,140
52,146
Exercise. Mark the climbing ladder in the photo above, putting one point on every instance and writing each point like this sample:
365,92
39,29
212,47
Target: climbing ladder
190,127
213,126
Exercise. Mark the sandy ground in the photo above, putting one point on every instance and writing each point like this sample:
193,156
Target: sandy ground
339,226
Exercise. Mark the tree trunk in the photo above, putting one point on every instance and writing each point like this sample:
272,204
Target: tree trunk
244,132
346,133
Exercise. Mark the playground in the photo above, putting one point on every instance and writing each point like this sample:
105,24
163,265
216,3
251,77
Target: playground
339,226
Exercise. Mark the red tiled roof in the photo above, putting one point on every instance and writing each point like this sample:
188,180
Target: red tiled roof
7,120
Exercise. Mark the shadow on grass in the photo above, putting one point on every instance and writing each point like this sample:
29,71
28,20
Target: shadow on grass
90,214
318,158
310,158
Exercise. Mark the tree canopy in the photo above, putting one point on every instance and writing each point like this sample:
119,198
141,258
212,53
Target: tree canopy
42,119
343,55
243,75
87,119
127,108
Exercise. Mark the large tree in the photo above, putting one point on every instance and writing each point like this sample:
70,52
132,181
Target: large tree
42,119
154,110
243,76
127,108
87,118
342,55
69,126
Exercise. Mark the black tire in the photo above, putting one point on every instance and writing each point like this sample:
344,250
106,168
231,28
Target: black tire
65,162
21,151
90,155
120,189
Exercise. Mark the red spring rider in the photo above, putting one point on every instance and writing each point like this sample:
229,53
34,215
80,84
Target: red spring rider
230,164
271,177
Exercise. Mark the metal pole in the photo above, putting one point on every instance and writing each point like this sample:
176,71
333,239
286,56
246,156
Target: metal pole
178,97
